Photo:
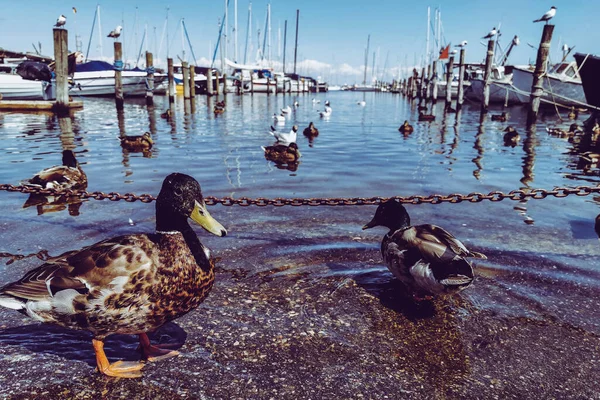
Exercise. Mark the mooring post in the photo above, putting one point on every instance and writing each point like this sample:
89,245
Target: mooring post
118,66
61,69
224,84
461,78
422,87
217,82
192,82
434,88
251,84
450,69
186,80
209,82
537,86
149,79
268,86
171,80
489,59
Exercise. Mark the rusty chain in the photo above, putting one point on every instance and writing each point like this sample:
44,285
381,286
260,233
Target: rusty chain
453,198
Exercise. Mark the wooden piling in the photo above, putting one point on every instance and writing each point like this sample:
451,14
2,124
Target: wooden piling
171,80
434,88
461,75
251,84
209,82
193,82
489,59
61,69
186,80
224,84
217,83
449,77
537,87
118,65
268,86
150,79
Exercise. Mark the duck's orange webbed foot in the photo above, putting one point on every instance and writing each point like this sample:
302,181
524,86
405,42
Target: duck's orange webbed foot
119,369
154,353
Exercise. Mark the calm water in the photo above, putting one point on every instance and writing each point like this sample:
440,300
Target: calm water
543,252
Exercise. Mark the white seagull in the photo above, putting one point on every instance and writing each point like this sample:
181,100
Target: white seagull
286,110
116,32
60,21
516,41
296,104
491,34
461,44
280,119
360,103
285,138
548,16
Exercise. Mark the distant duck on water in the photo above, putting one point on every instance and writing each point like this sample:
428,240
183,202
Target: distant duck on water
511,137
282,153
406,128
137,143
573,130
69,175
311,131
499,117
166,115
426,117
426,258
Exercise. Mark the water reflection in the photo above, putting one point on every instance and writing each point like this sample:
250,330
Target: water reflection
478,145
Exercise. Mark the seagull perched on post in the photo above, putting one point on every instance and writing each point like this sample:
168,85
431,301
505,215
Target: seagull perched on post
461,44
548,16
490,34
115,33
60,21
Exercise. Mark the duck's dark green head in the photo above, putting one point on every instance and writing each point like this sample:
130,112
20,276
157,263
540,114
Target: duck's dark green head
68,159
390,214
180,198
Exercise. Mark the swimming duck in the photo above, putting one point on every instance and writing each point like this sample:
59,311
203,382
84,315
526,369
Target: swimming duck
296,104
285,138
311,131
218,110
425,258
129,284
499,117
573,129
406,128
137,143
286,110
280,119
220,104
281,153
426,117
511,137
572,114
69,175
166,115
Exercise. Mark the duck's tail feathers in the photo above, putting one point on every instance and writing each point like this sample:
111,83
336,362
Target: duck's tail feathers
264,148
456,280
475,254
11,302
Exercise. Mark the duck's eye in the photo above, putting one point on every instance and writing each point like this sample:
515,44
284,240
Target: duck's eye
178,191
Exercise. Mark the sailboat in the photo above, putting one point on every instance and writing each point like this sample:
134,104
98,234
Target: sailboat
364,87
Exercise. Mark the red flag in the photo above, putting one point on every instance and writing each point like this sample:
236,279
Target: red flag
445,53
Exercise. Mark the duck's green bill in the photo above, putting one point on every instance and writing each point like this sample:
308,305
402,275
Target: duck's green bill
203,218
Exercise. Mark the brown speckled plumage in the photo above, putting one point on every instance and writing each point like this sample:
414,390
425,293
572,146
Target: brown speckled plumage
137,143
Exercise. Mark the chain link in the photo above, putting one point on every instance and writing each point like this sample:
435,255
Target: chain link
454,198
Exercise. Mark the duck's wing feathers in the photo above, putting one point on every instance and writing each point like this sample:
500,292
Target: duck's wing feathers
438,244
103,266
60,175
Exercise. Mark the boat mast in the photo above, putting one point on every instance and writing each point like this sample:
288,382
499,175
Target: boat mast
248,33
284,43
100,33
226,22
366,59
182,42
296,46
91,35
235,31
269,30
428,30
167,25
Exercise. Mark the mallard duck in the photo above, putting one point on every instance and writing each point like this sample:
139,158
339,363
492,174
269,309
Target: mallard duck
311,131
573,129
426,117
511,137
572,114
137,143
285,138
406,128
69,175
281,153
286,110
280,119
166,115
220,104
218,110
499,117
426,258
129,284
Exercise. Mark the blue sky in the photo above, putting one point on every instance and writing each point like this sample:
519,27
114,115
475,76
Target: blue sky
332,33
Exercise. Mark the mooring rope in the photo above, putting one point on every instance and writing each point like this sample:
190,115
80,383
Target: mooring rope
453,198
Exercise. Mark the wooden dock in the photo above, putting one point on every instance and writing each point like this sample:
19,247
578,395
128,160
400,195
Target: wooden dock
35,105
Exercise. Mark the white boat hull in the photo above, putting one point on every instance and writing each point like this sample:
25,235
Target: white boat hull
501,91
102,83
441,86
13,87
564,92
